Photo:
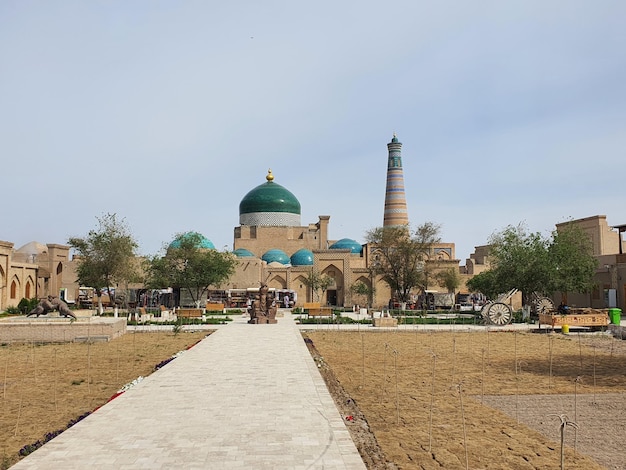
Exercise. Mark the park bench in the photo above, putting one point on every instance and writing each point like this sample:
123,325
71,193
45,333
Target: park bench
143,316
314,309
214,307
189,312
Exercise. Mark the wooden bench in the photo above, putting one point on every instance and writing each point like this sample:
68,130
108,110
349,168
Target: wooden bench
314,309
143,316
189,312
214,307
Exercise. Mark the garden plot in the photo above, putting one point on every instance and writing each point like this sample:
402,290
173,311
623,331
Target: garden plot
479,400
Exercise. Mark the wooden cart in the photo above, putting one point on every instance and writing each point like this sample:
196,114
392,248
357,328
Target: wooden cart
589,317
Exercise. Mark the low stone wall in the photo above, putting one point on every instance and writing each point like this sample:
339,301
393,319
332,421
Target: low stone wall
60,330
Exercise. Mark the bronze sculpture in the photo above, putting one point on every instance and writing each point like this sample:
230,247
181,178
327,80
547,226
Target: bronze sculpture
263,309
50,304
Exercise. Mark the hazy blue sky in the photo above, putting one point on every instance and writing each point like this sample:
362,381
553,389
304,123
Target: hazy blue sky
167,113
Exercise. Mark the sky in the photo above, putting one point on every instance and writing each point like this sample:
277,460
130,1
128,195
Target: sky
166,113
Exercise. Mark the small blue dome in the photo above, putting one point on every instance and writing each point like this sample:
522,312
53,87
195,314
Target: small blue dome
203,242
243,253
276,256
347,244
302,257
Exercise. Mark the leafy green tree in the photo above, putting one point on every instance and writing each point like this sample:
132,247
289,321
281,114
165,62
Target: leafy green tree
400,256
188,266
449,278
572,262
363,290
520,261
534,263
318,283
485,282
107,256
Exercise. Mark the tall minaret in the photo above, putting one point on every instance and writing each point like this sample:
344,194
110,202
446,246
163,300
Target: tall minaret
395,200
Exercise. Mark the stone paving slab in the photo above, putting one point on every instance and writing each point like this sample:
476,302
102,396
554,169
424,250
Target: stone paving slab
248,396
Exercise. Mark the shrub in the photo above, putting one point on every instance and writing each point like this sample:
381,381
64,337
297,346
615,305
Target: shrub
13,310
25,306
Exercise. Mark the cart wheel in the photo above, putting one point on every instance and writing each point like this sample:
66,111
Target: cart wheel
544,305
499,314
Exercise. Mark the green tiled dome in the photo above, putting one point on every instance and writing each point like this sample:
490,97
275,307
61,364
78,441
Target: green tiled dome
243,253
302,257
276,255
269,204
347,244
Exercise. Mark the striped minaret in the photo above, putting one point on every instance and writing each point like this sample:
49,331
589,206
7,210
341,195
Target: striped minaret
395,200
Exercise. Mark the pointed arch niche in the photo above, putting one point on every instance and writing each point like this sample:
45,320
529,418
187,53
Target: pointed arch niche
303,292
15,286
277,282
29,288
335,292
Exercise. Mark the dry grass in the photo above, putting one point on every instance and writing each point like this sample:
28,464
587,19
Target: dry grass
44,386
425,394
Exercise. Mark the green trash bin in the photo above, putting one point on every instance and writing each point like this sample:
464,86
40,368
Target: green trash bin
615,315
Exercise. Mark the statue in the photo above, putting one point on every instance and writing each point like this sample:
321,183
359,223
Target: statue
263,309
42,308
50,304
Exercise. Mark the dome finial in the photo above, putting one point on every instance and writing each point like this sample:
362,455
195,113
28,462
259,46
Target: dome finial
270,176
395,138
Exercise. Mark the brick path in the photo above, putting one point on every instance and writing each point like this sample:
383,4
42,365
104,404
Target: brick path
248,397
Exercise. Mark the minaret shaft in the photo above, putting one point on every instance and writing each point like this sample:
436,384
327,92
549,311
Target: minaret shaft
395,200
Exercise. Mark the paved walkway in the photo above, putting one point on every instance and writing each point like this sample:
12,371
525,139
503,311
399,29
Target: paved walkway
247,397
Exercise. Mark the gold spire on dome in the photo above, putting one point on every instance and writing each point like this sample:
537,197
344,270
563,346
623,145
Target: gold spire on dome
270,176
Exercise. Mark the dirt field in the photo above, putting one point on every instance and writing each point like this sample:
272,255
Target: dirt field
43,387
488,400
478,400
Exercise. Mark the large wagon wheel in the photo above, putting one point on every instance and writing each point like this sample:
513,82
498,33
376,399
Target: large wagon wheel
543,305
498,313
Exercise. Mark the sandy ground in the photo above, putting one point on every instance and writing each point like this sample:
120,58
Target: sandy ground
43,387
453,400
486,400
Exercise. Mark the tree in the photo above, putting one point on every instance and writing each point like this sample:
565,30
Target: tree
533,263
107,256
484,282
400,256
318,282
363,290
449,278
572,261
186,265
520,261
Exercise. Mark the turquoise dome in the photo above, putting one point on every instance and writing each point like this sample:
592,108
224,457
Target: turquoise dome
203,242
276,255
347,244
269,204
243,253
302,257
